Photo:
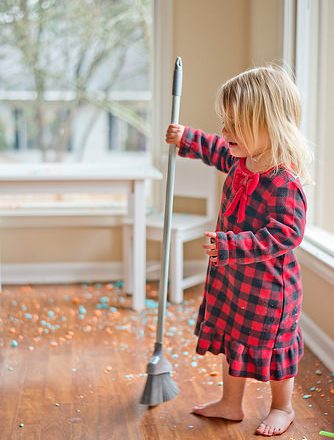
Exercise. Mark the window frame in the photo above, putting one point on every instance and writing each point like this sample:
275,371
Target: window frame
301,35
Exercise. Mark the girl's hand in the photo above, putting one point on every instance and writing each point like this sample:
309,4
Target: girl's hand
174,134
211,248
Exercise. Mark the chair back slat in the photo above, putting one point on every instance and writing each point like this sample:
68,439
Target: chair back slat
194,179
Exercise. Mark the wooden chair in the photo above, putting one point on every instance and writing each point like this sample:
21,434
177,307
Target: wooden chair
193,179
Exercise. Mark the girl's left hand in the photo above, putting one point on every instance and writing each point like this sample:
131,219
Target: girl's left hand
211,249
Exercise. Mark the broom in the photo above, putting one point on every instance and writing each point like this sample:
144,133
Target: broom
159,385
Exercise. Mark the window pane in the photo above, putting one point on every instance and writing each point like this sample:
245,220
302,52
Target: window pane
75,79
314,72
325,154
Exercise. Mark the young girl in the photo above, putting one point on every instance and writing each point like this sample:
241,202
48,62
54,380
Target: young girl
252,298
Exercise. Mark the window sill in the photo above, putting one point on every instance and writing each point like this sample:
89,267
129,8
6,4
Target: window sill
33,157
317,254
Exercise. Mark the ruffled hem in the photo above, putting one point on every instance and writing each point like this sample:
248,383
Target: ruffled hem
259,363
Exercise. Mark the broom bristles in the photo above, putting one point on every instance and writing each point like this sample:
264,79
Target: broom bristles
160,386
158,389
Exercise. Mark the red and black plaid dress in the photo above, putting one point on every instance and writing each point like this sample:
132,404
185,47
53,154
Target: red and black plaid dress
252,297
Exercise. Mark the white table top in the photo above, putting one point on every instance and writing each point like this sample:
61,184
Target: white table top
78,171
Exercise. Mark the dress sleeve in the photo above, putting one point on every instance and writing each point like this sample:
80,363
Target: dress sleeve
210,148
283,232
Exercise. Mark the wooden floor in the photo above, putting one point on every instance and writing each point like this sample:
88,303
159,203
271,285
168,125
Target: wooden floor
78,371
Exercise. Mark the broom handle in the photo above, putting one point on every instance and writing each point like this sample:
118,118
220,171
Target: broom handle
165,249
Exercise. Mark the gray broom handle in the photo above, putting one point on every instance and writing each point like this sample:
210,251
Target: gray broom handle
165,247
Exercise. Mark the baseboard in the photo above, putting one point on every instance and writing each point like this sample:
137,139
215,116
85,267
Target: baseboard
49,273
318,341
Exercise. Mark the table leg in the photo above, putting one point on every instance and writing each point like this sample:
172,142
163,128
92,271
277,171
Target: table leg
139,246
127,243
127,239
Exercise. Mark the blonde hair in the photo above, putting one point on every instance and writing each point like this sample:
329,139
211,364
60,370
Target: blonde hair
266,98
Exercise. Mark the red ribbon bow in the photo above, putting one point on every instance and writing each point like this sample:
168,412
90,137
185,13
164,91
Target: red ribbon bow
244,184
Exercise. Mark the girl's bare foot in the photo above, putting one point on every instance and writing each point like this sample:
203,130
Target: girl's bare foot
277,422
219,408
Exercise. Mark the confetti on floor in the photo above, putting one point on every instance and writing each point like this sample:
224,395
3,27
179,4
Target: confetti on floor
55,321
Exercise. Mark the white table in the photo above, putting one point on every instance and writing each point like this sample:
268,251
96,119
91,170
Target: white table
92,178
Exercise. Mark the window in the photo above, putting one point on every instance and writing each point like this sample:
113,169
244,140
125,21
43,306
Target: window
75,80
314,73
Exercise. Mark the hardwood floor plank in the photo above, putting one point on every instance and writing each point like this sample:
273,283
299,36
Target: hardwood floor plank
78,371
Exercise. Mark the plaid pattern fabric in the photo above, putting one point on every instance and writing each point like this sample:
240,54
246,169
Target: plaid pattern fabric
252,297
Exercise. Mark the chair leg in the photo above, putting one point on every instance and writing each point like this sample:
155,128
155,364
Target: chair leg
127,258
176,269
